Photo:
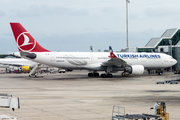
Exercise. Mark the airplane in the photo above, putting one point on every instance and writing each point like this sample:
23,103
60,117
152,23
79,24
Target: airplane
25,64
128,62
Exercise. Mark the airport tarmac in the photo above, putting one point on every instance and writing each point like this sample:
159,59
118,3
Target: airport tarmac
74,96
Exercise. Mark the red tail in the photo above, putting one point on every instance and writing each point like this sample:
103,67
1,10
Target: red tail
112,55
24,40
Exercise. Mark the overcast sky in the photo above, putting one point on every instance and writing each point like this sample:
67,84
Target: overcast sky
75,25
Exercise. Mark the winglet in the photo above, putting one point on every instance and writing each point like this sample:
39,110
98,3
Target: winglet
110,49
112,55
25,42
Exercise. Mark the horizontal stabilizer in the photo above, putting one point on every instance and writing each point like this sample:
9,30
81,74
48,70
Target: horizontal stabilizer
28,55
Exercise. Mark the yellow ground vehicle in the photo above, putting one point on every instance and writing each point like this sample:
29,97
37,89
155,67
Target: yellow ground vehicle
160,110
159,113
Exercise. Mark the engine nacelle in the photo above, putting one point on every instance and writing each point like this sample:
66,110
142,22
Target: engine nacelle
135,69
25,68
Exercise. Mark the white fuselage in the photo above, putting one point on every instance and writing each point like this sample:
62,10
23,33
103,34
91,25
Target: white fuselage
6,62
94,60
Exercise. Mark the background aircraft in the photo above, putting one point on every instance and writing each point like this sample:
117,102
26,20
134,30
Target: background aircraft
129,63
25,64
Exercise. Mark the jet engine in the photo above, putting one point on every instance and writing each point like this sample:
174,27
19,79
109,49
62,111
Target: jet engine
134,69
25,68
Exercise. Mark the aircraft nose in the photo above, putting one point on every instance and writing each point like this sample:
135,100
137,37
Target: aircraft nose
174,61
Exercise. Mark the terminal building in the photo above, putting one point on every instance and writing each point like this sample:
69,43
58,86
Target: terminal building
168,43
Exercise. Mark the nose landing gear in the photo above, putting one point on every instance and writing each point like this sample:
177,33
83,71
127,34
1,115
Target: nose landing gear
159,72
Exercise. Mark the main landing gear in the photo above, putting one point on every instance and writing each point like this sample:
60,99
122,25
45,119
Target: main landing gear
104,75
108,72
159,72
93,74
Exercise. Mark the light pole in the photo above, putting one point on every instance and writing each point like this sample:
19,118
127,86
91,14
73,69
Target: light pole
91,48
127,1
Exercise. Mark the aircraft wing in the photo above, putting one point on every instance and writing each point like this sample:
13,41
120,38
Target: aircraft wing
16,64
114,60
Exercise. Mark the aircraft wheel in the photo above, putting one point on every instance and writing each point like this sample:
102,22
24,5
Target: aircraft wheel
103,75
90,74
96,74
159,73
29,75
110,75
123,74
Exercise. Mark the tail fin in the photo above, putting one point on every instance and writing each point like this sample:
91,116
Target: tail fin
110,49
24,40
112,55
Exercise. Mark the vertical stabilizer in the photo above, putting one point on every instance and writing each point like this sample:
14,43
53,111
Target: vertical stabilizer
25,42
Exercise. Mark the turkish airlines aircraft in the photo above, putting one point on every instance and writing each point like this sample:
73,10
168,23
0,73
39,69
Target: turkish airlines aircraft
130,63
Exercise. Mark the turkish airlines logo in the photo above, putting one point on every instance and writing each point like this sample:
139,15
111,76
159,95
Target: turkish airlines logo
25,42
